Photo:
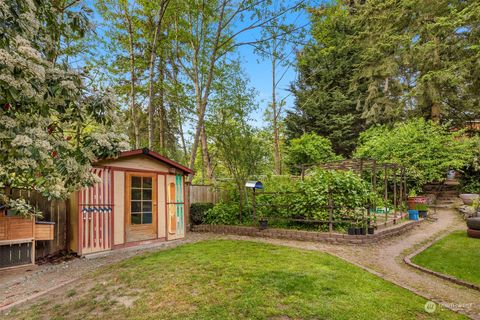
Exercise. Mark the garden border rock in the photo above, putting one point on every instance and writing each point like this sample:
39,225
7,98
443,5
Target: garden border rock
335,238
408,261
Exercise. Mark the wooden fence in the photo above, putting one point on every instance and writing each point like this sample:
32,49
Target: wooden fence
52,210
203,194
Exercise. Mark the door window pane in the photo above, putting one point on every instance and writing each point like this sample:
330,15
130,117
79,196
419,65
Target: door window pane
147,206
147,182
136,218
141,202
147,194
136,182
136,206
147,218
136,194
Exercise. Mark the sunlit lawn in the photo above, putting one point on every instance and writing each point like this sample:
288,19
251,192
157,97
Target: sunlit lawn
456,255
233,280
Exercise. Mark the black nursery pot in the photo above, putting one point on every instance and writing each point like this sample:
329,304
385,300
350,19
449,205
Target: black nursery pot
360,231
422,214
363,231
263,224
371,230
351,231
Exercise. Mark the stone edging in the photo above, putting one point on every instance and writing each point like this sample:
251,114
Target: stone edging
408,261
335,238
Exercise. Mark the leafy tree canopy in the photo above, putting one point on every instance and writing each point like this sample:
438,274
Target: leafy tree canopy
51,122
310,148
426,149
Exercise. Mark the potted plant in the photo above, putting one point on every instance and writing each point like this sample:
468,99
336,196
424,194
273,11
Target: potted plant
414,199
263,223
363,229
371,227
422,209
468,198
351,229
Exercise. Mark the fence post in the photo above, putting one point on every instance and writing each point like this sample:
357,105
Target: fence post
395,194
254,205
330,211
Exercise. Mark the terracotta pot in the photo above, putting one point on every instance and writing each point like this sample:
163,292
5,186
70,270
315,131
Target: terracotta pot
413,201
468,198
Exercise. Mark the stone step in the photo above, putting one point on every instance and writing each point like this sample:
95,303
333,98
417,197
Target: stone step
441,206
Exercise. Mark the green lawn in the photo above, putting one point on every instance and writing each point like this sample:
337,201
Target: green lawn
456,255
233,280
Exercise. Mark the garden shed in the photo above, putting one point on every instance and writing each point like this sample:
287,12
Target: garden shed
140,198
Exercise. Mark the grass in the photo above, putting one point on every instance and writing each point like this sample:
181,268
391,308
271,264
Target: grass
456,255
222,279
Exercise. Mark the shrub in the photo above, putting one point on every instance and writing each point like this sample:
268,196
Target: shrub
350,195
222,213
310,148
198,211
427,150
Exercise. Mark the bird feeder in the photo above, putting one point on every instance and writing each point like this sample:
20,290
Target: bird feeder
254,185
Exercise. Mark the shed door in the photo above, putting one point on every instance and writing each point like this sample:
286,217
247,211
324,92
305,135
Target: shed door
175,207
141,206
95,214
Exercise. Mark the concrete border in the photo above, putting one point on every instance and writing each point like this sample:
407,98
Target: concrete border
408,261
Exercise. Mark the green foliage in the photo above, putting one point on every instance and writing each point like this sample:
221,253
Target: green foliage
310,148
470,182
223,213
418,59
198,212
426,149
52,121
384,61
470,175
349,193
325,101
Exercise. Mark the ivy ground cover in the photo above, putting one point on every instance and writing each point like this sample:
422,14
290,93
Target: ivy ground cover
222,279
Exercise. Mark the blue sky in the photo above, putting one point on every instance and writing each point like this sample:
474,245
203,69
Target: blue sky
259,71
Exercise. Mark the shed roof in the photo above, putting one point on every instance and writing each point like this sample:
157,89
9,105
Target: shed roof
156,156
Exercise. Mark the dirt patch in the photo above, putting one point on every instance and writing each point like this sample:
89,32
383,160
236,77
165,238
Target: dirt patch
30,282
127,301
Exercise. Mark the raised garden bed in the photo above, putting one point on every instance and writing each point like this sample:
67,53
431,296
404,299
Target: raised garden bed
308,235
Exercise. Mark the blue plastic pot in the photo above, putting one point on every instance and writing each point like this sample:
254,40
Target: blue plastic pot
413,214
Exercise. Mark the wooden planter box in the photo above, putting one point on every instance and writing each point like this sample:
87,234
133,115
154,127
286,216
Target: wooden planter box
17,239
16,228
44,230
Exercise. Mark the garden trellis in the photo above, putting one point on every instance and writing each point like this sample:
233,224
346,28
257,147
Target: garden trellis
393,178
388,178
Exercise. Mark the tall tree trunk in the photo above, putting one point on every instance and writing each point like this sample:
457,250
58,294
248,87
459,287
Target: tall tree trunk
133,106
161,104
206,156
177,108
153,56
201,100
276,138
435,112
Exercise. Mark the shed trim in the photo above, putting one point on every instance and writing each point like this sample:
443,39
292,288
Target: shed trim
156,156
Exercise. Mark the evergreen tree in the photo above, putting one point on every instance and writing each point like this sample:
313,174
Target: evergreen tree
325,102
